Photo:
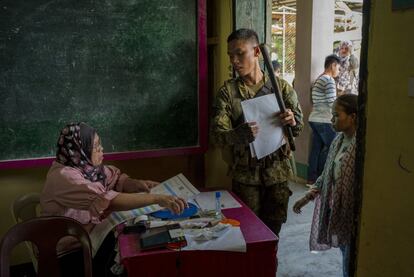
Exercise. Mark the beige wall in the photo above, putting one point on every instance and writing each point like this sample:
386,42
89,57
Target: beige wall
387,220
314,37
14,183
216,168
303,73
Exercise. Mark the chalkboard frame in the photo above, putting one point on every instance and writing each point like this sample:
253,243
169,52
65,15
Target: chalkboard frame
202,112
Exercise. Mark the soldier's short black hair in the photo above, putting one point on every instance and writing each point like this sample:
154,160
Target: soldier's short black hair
244,34
331,59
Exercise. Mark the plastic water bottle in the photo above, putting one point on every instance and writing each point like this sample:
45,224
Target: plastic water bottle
218,205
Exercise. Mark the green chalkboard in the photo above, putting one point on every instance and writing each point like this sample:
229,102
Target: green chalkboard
128,68
402,4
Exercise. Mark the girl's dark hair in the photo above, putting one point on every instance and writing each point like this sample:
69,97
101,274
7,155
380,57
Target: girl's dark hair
349,102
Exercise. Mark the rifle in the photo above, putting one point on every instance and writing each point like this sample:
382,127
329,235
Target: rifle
275,85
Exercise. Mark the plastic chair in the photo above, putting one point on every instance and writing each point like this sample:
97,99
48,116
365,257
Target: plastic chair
45,233
26,207
23,208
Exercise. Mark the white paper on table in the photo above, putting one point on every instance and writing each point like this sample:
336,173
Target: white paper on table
262,111
207,200
231,240
177,185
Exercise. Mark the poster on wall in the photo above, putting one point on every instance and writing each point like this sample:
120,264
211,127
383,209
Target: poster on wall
402,4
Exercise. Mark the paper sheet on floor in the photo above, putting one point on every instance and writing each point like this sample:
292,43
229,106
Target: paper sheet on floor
262,111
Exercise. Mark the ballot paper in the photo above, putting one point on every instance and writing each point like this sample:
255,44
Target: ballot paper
207,200
177,186
262,110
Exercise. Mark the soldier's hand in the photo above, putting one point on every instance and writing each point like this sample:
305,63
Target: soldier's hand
246,132
300,204
288,117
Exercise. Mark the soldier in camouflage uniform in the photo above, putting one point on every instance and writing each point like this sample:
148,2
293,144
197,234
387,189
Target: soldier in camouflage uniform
261,184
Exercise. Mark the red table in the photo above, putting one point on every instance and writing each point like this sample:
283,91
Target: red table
259,260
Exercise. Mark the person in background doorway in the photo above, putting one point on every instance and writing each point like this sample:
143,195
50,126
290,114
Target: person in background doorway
334,216
347,80
276,68
323,96
261,184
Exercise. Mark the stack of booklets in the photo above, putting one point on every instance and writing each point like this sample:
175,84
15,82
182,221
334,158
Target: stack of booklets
170,236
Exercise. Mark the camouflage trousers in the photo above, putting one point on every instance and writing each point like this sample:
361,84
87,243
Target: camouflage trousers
269,203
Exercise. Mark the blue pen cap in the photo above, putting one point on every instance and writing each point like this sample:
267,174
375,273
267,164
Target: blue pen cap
218,194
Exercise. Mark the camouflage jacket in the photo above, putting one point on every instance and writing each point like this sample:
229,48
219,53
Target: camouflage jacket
228,114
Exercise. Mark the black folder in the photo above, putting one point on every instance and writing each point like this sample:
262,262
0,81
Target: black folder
163,237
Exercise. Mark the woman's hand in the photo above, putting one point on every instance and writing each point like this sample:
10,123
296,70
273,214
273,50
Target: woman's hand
135,185
300,204
146,185
305,200
173,203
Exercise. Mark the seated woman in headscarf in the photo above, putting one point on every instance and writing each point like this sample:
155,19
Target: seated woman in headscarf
79,186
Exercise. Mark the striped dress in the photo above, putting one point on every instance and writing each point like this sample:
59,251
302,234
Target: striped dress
323,96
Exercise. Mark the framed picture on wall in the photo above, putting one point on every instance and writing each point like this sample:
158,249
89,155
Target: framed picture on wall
402,4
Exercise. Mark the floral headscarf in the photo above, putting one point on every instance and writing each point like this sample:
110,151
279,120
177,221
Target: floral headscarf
347,80
74,149
346,43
